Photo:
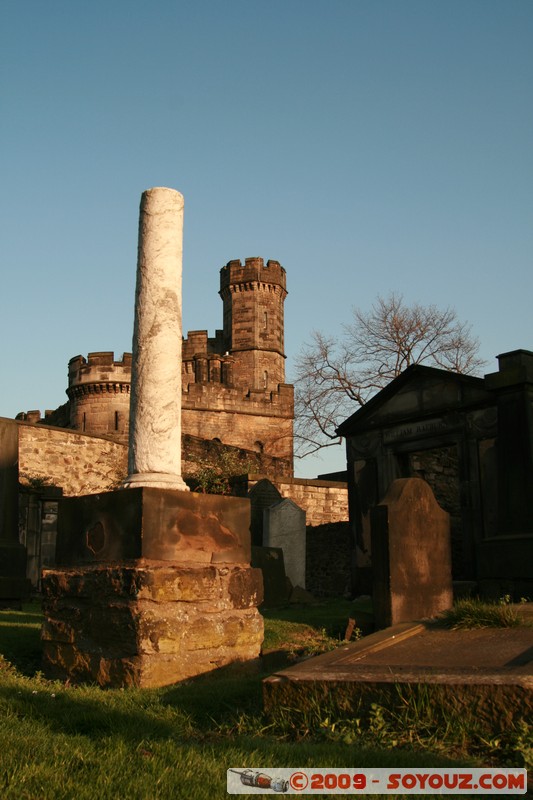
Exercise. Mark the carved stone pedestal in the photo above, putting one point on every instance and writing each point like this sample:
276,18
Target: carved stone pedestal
154,586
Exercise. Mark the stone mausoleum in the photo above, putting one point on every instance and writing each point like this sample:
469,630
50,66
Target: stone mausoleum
471,439
233,384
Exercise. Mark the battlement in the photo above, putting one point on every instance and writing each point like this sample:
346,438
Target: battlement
99,368
59,417
254,270
216,397
198,342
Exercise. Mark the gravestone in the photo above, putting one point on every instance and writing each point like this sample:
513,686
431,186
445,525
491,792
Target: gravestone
284,526
275,587
411,554
263,495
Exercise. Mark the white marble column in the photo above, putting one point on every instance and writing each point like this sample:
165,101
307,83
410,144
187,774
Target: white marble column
155,407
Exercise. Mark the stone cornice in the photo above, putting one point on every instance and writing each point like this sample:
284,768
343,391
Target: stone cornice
102,387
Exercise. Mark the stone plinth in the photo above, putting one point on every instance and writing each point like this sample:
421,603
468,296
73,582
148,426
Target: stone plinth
154,586
411,554
157,524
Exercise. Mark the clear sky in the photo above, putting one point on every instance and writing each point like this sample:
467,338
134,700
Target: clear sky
368,145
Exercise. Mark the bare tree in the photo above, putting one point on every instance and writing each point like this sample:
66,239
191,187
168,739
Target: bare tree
333,375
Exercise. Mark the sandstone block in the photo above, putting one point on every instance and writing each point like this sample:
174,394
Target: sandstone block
148,624
157,524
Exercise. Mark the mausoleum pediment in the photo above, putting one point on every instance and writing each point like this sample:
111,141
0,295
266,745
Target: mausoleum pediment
417,393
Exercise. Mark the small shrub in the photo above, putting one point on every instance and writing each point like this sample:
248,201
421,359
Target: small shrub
214,474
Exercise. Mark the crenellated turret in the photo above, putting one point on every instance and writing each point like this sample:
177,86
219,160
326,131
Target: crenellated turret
253,295
99,394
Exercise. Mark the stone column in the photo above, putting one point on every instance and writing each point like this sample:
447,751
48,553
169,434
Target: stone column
155,406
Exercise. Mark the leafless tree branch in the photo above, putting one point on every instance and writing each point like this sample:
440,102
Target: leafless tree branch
334,376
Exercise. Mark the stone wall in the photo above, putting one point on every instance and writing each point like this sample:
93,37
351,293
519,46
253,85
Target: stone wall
328,559
83,464
78,463
197,451
259,422
439,467
323,501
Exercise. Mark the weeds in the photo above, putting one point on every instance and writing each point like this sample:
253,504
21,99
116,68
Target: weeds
412,718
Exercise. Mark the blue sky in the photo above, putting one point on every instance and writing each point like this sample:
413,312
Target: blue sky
368,146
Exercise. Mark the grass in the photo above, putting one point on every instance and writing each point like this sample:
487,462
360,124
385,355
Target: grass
329,615
471,613
60,742
20,638
307,630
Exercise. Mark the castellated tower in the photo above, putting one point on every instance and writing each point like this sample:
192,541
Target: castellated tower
253,296
237,378
99,395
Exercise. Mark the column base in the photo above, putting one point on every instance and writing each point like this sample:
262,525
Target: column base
155,480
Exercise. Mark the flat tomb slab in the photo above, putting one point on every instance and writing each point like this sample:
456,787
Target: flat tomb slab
435,648
489,669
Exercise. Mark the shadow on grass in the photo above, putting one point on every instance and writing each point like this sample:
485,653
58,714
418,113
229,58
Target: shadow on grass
65,711
188,711
106,719
218,696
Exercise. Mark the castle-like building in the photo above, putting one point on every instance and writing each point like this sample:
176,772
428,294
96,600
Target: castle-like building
233,387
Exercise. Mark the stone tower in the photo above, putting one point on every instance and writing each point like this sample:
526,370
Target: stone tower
99,395
253,296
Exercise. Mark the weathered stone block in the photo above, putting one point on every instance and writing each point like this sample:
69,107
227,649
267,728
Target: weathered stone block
148,624
54,630
245,588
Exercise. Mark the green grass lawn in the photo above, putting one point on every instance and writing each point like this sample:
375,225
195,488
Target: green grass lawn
75,743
